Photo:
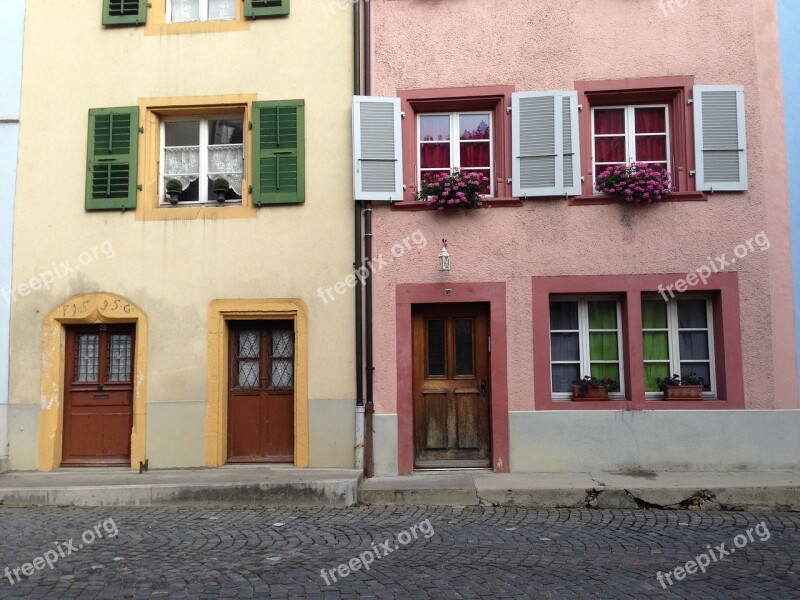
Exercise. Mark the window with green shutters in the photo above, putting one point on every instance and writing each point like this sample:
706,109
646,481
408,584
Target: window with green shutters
584,340
124,12
278,152
111,176
254,9
677,339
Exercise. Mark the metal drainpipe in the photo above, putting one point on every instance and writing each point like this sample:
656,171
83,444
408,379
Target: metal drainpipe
360,424
370,406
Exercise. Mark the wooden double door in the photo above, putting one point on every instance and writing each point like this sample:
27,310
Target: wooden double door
261,392
451,386
98,396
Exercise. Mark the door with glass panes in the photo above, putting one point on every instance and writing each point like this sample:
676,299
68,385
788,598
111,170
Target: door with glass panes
261,392
98,396
451,386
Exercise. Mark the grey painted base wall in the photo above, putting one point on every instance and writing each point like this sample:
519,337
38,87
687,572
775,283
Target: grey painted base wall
332,433
3,438
176,434
586,441
23,436
384,442
690,440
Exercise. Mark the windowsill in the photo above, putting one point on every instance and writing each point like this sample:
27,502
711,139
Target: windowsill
492,202
596,199
200,204
645,404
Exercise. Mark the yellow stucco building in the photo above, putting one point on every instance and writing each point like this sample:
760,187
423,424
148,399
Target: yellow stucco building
183,193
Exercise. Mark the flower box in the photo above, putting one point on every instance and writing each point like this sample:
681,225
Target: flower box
684,392
599,392
639,183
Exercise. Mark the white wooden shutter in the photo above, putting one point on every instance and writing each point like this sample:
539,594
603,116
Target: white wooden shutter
572,144
377,149
719,138
546,148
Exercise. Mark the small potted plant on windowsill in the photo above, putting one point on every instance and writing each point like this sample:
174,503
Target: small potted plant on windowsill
174,190
689,387
221,186
592,388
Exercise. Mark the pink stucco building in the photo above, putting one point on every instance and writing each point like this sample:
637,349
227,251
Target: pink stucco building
474,366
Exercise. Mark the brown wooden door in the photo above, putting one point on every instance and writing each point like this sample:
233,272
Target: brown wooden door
261,392
98,396
451,386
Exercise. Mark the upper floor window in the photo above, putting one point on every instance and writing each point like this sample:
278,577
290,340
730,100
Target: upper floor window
187,146
186,11
455,141
677,339
630,134
198,150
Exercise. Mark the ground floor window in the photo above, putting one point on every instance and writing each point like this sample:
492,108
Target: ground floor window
677,340
584,340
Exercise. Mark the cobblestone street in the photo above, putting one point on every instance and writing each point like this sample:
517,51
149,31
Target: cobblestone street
414,553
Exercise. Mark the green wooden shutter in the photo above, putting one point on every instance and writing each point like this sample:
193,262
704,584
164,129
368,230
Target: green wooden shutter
124,12
254,9
111,167
279,152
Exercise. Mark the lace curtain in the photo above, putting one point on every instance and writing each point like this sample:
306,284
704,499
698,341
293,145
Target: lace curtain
184,11
224,160
227,161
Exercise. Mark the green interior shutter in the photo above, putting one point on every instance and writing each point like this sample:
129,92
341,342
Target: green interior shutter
254,9
124,12
279,152
112,158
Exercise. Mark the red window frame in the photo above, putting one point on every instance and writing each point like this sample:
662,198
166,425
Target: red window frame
496,99
723,288
672,91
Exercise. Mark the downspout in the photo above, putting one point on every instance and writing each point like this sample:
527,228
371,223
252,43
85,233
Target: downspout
357,263
370,406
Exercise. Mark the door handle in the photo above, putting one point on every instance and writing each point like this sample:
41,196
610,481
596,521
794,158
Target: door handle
483,388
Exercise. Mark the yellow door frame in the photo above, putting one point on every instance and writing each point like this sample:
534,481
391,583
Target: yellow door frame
219,313
87,309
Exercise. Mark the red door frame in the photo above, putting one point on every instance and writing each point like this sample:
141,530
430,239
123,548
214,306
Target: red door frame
493,294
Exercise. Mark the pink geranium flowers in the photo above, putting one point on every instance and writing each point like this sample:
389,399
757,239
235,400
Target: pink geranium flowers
458,189
639,182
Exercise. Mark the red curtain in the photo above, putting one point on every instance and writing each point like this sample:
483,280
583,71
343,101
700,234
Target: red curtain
434,156
651,147
475,155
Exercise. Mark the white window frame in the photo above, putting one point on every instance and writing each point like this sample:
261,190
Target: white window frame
583,342
455,144
673,336
203,12
630,140
202,190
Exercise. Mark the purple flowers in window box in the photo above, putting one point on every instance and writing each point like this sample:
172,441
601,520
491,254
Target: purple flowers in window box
639,182
459,189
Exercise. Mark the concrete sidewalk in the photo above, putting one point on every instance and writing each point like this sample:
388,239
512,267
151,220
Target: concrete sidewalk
768,490
283,485
232,484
